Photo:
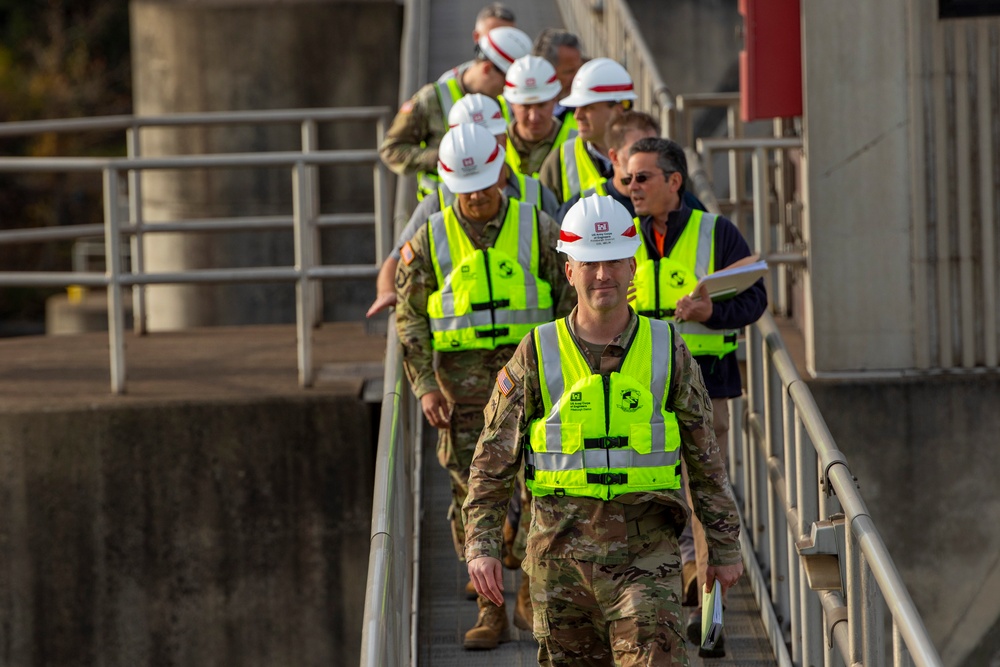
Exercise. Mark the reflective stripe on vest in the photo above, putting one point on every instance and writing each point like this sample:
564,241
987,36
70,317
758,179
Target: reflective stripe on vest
448,92
661,283
578,170
603,436
486,298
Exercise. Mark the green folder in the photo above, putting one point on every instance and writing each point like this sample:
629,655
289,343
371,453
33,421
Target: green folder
711,617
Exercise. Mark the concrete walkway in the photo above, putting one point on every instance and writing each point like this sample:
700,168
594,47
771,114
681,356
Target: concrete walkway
204,365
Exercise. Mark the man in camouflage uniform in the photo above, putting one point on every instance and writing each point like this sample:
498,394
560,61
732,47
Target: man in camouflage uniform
604,565
453,386
411,144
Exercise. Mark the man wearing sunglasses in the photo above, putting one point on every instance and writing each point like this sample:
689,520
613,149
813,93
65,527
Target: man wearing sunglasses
411,144
622,131
679,247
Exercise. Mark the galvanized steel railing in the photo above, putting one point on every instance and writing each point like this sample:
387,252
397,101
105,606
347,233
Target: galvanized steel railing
305,221
389,633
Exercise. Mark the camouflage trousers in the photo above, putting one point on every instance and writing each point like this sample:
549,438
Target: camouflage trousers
593,615
456,445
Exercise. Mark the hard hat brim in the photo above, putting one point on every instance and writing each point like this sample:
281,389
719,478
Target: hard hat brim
465,184
575,100
541,95
589,253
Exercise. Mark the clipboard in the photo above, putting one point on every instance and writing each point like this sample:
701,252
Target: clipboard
711,617
732,280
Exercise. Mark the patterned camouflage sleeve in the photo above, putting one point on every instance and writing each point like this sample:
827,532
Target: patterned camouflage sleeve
497,458
402,150
415,281
552,266
551,174
713,498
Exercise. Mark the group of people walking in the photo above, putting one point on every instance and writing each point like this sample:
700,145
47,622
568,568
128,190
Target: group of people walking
545,302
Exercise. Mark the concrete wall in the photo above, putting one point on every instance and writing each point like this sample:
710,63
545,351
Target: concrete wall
925,452
857,194
214,534
256,55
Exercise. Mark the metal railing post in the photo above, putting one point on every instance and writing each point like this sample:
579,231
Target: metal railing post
310,143
113,250
303,254
139,320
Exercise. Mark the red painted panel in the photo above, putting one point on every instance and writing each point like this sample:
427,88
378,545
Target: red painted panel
771,59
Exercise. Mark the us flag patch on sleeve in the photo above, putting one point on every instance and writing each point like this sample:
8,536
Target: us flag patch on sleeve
504,382
406,252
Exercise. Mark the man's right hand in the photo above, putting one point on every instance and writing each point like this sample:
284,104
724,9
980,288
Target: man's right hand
381,302
435,407
486,575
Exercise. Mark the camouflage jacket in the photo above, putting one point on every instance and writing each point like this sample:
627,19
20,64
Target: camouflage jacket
466,376
587,528
411,144
533,154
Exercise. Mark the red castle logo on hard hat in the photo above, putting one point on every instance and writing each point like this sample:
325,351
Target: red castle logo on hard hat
529,82
468,162
601,227
477,117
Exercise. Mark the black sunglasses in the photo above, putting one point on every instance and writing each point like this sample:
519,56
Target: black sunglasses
642,177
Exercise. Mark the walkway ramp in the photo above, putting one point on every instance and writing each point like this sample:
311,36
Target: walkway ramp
444,612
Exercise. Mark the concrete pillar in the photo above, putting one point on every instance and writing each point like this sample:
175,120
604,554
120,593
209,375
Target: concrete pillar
264,54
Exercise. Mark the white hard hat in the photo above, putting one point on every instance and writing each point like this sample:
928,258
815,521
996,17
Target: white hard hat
469,158
600,80
479,109
530,80
598,229
504,45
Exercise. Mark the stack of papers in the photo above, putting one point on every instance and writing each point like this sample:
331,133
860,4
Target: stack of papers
732,280
711,617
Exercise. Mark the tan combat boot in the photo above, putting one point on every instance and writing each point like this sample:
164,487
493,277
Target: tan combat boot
491,629
523,616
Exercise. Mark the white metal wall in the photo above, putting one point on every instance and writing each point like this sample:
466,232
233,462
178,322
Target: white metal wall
955,99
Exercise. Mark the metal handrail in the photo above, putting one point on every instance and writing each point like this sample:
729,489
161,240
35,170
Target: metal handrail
391,604
787,443
390,565
304,222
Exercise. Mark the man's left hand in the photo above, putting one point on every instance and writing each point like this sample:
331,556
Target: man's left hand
694,309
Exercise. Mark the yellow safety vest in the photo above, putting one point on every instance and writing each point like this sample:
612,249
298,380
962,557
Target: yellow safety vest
486,298
504,109
578,170
604,435
568,131
562,136
529,191
660,284
448,93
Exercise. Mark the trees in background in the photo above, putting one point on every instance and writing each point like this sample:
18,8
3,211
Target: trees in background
58,59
